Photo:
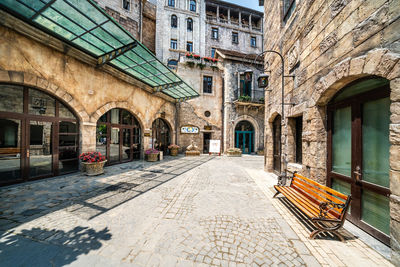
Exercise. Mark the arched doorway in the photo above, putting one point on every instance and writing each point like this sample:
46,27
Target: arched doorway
358,152
276,142
161,134
118,136
38,135
244,137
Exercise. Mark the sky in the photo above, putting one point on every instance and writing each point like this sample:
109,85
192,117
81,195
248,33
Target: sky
253,4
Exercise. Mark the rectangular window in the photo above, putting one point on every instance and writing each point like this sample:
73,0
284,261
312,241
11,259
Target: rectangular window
214,33
288,8
207,84
189,46
245,84
171,3
174,44
299,134
126,4
213,52
235,37
253,41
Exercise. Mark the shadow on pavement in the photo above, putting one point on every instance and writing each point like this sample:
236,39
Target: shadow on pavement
88,197
42,247
310,227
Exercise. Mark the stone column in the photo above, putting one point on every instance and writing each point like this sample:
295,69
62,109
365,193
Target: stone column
217,13
88,136
394,133
240,19
250,22
229,16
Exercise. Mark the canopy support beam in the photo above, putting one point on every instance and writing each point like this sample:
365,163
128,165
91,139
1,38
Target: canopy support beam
105,58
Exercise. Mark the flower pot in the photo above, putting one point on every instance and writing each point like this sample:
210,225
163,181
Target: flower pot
152,157
94,168
174,151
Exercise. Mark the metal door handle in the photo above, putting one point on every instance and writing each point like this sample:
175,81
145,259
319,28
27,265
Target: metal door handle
358,174
27,153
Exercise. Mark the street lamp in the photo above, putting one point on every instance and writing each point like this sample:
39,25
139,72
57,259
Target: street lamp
263,81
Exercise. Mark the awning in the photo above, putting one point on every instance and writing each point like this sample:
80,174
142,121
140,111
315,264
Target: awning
86,26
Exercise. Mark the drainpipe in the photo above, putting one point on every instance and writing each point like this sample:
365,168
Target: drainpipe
177,106
140,21
223,112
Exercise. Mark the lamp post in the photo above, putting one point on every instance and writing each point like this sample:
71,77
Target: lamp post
263,81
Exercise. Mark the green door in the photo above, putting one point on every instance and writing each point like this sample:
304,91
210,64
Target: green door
358,153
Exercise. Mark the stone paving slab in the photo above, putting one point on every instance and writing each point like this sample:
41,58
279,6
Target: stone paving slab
198,211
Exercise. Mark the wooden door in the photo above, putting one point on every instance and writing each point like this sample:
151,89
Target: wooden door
276,132
358,157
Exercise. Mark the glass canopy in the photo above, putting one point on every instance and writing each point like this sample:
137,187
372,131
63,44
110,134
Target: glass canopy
85,25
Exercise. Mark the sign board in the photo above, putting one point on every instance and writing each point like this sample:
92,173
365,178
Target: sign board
189,129
207,127
147,133
215,146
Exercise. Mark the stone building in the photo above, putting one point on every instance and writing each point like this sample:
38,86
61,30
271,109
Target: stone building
232,35
136,16
73,80
341,109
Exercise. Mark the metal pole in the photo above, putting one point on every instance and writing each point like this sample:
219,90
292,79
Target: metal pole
283,98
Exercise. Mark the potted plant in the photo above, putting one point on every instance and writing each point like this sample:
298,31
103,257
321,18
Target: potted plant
151,154
93,162
234,152
196,56
189,55
173,149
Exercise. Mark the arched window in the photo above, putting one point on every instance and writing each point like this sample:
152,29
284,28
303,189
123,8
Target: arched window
174,21
189,24
192,5
244,137
171,3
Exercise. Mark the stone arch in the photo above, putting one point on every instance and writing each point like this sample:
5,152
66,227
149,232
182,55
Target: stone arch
256,129
377,62
34,81
170,125
95,116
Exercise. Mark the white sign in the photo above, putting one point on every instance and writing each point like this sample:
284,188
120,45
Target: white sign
190,129
215,146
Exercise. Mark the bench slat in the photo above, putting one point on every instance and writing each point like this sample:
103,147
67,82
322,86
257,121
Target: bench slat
328,189
317,192
302,202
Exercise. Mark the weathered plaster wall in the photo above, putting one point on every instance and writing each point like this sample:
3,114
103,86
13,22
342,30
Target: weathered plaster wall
88,90
326,45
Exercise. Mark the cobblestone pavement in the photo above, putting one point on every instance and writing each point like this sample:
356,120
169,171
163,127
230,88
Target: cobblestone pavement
198,211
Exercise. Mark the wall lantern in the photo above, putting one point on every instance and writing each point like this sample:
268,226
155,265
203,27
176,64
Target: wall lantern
263,81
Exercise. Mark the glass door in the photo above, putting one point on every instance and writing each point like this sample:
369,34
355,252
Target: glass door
358,157
40,149
10,150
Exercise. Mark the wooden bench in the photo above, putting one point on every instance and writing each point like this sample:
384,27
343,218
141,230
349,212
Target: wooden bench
9,151
325,207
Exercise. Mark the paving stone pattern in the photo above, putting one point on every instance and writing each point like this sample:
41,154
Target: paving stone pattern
203,211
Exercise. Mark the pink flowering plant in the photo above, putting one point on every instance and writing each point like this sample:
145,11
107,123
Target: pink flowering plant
151,151
173,146
91,157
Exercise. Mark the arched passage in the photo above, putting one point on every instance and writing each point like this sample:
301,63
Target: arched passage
39,135
244,137
358,151
118,136
161,133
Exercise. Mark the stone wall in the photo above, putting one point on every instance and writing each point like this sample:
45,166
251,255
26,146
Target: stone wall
326,45
74,78
149,26
193,111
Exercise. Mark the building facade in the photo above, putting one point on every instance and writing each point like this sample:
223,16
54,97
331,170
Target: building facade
62,92
341,99
199,40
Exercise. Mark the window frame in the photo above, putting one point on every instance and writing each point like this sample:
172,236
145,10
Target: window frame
171,3
191,5
255,41
189,22
214,30
237,38
286,14
174,21
189,44
207,84
213,51
129,5
175,42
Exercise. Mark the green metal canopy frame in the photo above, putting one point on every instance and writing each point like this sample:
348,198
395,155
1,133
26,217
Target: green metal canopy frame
86,26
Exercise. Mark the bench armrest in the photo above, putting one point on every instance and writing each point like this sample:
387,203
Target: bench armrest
325,207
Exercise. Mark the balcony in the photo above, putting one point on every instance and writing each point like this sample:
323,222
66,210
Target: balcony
248,102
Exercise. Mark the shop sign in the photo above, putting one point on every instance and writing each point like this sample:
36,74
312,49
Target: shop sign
147,133
208,127
189,129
